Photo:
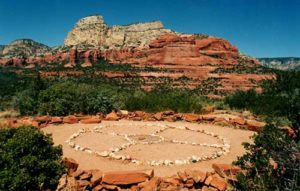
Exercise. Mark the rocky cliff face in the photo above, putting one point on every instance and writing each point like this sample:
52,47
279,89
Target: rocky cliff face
286,63
187,60
89,30
24,48
178,49
93,31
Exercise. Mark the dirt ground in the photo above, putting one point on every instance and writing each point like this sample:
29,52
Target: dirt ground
160,151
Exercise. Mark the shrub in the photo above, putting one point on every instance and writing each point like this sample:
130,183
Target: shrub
26,100
280,98
272,162
68,98
159,100
242,99
283,173
28,160
10,83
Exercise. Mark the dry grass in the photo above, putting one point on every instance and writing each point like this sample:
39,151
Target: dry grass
8,114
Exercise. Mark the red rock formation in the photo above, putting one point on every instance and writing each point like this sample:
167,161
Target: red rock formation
178,50
191,56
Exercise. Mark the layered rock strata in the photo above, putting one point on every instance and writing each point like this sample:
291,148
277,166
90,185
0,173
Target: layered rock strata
189,60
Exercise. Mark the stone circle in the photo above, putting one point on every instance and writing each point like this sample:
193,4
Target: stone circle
148,139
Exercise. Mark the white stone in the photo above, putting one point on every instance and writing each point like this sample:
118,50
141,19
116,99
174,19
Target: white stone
178,162
104,154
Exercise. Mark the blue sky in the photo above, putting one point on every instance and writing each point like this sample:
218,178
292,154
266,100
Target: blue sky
260,28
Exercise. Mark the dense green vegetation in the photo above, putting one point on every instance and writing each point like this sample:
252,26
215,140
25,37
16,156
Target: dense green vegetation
164,99
280,98
28,160
10,84
272,162
90,94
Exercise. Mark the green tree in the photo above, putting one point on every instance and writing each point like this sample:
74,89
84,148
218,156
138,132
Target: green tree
272,162
26,101
68,98
28,160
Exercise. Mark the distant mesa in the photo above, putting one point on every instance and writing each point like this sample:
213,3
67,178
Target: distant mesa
23,48
194,60
284,63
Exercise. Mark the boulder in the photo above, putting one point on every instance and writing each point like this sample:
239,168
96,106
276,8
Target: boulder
239,121
96,177
140,114
127,177
208,117
158,116
70,119
112,116
56,120
218,182
196,175
191,117
71,165
43,119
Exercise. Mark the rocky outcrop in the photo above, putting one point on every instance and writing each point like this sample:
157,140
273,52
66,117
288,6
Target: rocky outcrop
24,48
89,30
72,56
93,31
174,49
208,63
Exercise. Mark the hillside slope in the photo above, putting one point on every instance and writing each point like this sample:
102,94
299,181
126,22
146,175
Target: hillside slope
24,48
160,56
281,63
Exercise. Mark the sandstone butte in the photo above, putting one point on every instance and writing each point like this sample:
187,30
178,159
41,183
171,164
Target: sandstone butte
195,56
